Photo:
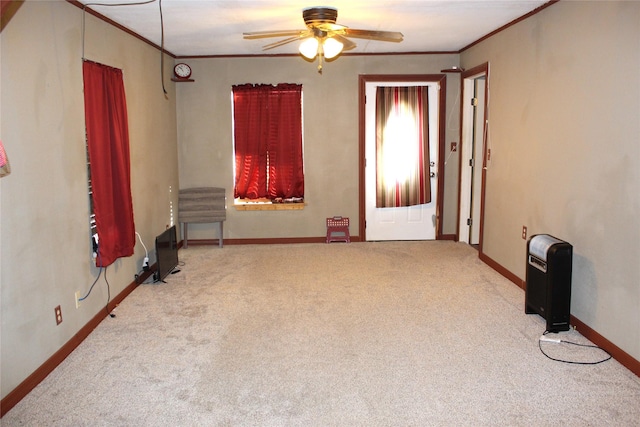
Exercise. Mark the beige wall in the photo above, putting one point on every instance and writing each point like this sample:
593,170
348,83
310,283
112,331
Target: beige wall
330,136
44,205
564,109
565,143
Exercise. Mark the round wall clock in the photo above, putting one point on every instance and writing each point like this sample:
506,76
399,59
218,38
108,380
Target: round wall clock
182,70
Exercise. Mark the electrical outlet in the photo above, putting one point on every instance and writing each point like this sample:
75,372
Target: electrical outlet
77,299
454,146
58,311
524,232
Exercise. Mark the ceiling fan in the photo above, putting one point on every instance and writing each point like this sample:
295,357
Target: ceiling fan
323,37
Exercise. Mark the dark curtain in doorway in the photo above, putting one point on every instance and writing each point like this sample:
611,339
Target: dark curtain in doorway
402,146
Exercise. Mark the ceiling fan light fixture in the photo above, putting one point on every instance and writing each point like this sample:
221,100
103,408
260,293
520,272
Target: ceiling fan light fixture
331,48
309,47
323,38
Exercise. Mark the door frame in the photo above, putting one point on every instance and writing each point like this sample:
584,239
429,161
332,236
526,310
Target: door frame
465,119
363,79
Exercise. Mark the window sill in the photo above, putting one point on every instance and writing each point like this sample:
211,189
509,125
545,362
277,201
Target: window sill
267,206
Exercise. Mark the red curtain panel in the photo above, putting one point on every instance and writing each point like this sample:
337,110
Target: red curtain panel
108,143
250,135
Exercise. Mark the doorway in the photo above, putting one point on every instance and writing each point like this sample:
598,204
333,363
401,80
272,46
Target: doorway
421,222
474,155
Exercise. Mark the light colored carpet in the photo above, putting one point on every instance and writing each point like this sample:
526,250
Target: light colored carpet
360,334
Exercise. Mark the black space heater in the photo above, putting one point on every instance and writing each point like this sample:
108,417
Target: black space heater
548,291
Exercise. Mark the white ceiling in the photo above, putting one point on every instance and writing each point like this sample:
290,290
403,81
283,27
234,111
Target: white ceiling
211,27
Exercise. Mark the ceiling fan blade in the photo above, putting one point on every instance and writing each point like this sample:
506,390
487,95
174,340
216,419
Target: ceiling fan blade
304,34
386,36
274,33
346,43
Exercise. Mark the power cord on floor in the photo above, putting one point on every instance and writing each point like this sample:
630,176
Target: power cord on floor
559,341
106,307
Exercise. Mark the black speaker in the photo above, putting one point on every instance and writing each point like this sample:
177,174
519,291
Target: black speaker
548,284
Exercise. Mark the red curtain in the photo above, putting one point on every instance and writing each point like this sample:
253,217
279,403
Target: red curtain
108,142
268,141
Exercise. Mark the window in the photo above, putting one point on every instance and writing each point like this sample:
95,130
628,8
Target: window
268,149
93,228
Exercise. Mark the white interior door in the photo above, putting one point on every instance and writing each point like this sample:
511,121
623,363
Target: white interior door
472,159
478,150
405,223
